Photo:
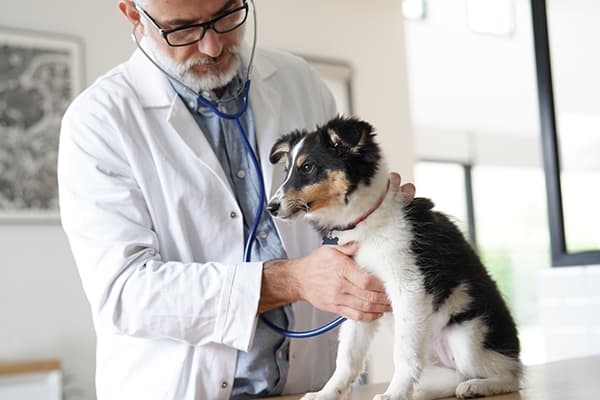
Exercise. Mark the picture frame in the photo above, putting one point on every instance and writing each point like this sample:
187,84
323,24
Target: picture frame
40,74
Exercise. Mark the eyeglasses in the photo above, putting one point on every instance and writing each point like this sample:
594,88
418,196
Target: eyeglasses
190,34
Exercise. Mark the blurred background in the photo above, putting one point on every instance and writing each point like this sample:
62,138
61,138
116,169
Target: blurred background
450,85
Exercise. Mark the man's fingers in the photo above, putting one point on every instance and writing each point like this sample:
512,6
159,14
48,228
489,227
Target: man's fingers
355,315
405,193
362,279
367,296
395,180
408,193
348,248
362,305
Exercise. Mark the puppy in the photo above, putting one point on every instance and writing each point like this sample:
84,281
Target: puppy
453,333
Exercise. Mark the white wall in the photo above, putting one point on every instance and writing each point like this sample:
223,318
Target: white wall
42,306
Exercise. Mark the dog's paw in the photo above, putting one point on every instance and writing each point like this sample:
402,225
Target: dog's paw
382,397
322,396
469,390
386,396
311,396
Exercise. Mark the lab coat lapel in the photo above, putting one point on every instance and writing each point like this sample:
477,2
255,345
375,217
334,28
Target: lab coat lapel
183,122
140,71
265,101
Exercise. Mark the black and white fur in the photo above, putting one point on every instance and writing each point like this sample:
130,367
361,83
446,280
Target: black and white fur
453,333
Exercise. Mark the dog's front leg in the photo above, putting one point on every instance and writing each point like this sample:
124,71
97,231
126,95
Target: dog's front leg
410,321
355,338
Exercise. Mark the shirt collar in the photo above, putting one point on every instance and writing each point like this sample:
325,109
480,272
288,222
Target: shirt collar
191,100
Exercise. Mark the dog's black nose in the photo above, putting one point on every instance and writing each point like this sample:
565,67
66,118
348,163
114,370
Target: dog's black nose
273,207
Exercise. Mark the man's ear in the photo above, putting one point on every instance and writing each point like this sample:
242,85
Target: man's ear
128,9
348,134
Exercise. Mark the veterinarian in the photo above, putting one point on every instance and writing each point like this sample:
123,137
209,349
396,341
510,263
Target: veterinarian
156,198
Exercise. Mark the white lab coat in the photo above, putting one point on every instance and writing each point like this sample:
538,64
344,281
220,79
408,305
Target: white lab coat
157,234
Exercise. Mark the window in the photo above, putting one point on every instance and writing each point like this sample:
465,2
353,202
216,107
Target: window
570,119
513,243
446,184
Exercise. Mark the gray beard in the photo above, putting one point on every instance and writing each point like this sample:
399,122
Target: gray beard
184,73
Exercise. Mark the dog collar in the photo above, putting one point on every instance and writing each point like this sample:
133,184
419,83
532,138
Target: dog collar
330,239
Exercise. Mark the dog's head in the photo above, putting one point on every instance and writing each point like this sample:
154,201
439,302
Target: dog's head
324,167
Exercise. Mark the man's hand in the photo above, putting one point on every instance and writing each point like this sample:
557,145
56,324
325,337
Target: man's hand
329,279
402,193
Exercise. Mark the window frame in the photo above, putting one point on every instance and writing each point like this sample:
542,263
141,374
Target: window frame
560,256
469,204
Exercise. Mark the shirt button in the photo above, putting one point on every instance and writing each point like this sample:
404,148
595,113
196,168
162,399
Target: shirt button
222,108
280,354
241,174
191,104
224,385
232,214
262,234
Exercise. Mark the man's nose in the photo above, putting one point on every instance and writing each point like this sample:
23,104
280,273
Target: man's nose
211,44
273,207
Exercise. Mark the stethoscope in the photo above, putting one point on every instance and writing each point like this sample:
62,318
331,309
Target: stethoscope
235,117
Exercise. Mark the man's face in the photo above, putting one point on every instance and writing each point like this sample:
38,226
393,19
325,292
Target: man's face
208,64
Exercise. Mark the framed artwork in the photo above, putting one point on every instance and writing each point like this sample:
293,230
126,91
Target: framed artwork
40,73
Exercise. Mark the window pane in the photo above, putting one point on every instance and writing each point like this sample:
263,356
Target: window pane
581,195
444,183
513,242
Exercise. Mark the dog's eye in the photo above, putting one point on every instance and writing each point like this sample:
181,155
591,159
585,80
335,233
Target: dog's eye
307,167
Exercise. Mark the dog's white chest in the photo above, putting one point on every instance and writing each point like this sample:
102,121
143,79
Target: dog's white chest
385,253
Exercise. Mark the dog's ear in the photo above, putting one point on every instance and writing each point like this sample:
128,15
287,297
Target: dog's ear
284,144
280,148
348,134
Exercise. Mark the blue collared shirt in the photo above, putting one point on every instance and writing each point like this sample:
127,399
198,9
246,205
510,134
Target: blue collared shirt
263,370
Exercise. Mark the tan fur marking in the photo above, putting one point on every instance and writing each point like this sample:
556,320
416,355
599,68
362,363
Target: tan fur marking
300,160
329,192
282,148
335,140
333,137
